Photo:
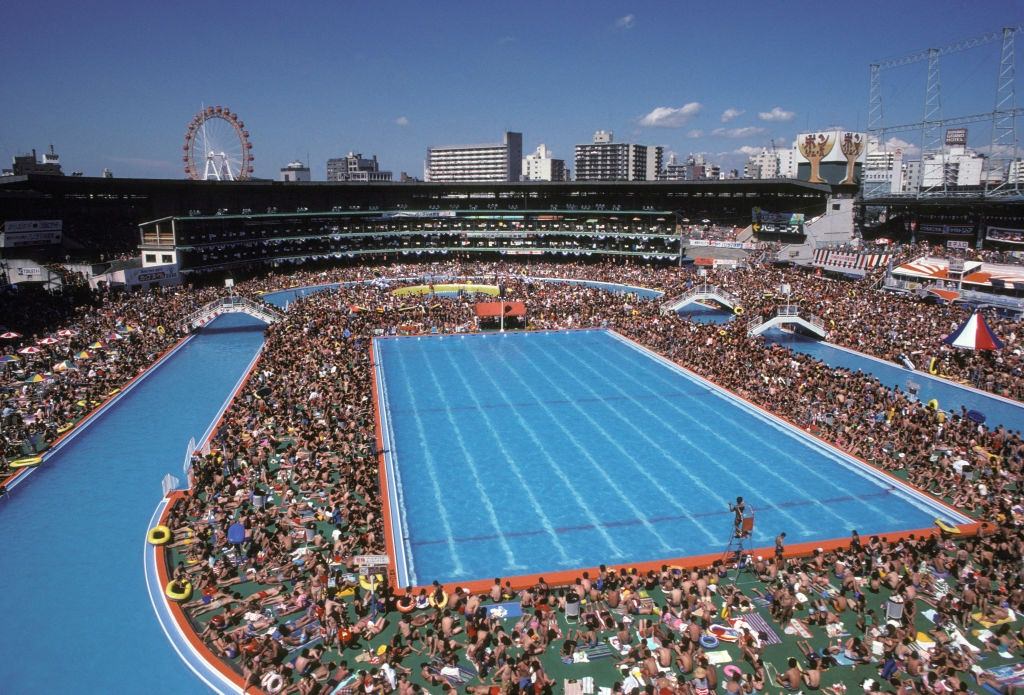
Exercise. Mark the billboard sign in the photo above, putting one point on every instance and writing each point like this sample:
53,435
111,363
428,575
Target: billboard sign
1005,235
956,137
957,229
956,244
766,222
18,233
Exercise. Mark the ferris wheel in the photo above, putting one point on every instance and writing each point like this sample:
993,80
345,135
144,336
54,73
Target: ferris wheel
217,147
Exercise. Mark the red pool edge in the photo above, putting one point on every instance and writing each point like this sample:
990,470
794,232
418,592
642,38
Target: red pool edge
523,581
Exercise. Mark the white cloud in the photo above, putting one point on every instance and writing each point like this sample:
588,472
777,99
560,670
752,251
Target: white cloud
908,148
668,117
748,150
402,121
777,114
626,22
731,113
746,132
695,133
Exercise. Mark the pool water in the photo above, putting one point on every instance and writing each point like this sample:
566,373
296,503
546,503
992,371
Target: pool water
76,614
998,411
522,453
701,313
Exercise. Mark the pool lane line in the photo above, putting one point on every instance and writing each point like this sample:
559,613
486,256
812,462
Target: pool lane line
786,457
396,537
553,463
538,510
57,444
656,485
435,479
510,557
965,522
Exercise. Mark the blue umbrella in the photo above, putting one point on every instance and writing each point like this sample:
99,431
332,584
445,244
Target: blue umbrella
976,416
236,533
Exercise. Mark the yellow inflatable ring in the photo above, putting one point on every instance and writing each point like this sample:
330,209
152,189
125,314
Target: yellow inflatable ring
947,528
738,311
721,331
364,582
933,365
933,404
26,462
158,535
182,595
434,603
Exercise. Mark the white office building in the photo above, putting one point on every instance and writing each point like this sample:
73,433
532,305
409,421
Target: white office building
485,163
355,167
883,172
294,171
541,166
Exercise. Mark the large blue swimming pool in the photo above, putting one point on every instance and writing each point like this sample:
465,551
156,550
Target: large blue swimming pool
520,453
75,610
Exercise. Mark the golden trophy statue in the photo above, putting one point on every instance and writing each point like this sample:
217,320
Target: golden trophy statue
814,148
852,147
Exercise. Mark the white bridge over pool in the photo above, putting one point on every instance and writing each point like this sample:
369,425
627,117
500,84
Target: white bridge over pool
789,315
232,304
702,294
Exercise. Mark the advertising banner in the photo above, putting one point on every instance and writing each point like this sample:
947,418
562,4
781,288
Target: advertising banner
957,229
31,233
1005,235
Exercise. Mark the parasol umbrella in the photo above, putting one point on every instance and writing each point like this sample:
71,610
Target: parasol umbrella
35,379
48,341
236,533
113,336
10,335
976,416
9,358
83,355
30,350
67,333
64,366
97,344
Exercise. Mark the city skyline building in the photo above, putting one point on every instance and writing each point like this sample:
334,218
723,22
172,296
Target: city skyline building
490,162
542,166
295,171
603,159
355,167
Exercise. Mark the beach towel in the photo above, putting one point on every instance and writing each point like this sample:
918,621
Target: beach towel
345,686
799,629
718,657
511,609
1010,675
842,659
979,618
598,651
763,629
618,646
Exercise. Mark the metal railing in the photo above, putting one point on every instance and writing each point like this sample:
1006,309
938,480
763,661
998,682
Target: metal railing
788,311
232,304
705,290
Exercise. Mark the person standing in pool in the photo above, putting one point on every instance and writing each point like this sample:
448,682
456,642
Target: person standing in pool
779,547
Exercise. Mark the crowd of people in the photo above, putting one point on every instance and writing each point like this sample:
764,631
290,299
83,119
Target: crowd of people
294,465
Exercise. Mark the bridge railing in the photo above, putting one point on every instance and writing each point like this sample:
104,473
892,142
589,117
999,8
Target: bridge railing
231,304
702,290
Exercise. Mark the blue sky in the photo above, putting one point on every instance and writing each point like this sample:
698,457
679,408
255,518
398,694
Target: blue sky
114,84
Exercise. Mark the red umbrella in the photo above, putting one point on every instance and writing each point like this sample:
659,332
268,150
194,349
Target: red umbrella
67,333
48,341
30,350
10,335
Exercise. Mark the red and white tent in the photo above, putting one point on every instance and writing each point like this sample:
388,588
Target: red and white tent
974,334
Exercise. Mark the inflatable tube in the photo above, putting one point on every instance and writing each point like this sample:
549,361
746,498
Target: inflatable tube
439,605
346,592
406,604
947,528
27,462
731,670
158,535
344,636
364,581
933,404
273,682
738,311
933,365
721,331
176,595
708,641
64,428
724,634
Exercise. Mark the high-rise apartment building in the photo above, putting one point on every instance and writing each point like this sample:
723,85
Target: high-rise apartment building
355,167
491,162
607,160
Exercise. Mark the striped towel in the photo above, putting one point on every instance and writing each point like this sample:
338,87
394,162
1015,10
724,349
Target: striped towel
761,626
